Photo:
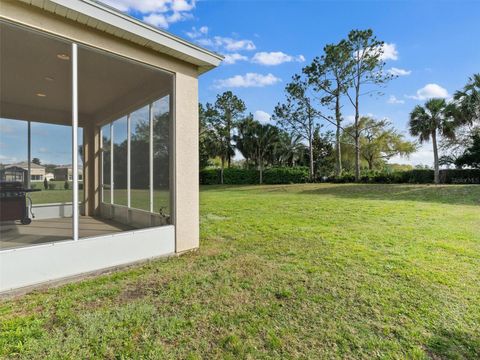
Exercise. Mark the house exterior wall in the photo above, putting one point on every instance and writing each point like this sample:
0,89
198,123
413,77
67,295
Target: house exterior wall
185,174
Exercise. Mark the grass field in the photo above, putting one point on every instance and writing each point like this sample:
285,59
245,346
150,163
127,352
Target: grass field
139,198
292,271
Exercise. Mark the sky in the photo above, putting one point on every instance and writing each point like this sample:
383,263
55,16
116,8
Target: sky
432,46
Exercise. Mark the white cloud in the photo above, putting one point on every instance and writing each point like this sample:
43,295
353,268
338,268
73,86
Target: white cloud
182,5
234,45
159,13
247,80
158,20
262,116
226,43
275,58
196,33
233,58
389,52
399,72
430,91
393,100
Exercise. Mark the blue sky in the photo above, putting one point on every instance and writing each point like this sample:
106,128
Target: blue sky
433,43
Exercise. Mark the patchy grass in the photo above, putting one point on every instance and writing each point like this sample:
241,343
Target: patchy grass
295,271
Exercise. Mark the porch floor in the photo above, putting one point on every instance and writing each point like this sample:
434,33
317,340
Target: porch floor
14,235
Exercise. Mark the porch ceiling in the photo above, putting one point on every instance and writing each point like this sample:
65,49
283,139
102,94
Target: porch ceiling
109,86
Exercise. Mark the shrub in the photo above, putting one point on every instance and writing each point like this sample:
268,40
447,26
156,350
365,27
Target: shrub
460,176
284,175
417,176
235,176
66,185
52,186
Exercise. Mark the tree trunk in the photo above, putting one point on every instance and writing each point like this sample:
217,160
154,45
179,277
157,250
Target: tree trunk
357,137
228,158
338,148
221,170
260,168
310,145
370,164
436,166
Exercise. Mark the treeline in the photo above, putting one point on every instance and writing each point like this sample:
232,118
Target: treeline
338,79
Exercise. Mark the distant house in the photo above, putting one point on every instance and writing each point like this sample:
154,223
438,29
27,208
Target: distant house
65,172
19,172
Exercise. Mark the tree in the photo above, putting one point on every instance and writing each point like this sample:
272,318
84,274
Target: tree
466,105
471,156
203,132
379,141
323,152
426,121
465,109
257,140
290,150
221,119
366,54
229,110
36,161
330,75
298,115
244,139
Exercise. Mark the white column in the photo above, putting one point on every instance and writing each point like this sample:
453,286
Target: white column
129,161
74,141
150,143
111,164
102,190
29,156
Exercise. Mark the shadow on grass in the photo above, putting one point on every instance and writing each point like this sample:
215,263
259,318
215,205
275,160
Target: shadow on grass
454,345
445,194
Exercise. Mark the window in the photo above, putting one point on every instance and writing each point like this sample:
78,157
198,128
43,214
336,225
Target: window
120,174
140,168
106,188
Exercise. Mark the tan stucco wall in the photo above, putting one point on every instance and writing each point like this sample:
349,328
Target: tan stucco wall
186,186
186,165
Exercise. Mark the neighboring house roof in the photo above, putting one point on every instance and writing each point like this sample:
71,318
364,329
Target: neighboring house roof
104,18
24,165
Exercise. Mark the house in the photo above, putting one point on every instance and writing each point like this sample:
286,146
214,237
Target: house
65,173
19,172
132,90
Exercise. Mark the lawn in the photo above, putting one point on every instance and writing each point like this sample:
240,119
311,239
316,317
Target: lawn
139,198
288,271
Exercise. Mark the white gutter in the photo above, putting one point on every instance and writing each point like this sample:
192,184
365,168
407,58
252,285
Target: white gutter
178,47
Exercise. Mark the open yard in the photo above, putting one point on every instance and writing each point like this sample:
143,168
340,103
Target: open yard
288,271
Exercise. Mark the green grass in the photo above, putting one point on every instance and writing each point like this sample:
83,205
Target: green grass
295,271
139,198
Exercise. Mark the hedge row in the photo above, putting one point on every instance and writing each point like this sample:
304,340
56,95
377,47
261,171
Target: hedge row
234,176
418,176
279,175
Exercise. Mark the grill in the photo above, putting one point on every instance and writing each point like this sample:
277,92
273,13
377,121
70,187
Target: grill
13,202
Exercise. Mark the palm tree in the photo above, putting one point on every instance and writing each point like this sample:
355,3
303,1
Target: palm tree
466,105
257,141
426,121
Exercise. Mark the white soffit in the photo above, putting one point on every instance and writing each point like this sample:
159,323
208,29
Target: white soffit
104,18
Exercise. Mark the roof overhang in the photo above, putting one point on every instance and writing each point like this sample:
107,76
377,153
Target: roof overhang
104,18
